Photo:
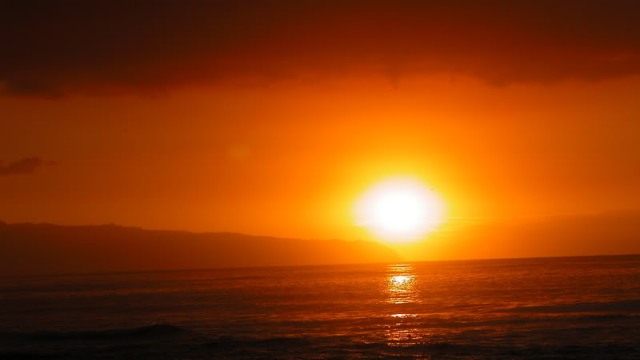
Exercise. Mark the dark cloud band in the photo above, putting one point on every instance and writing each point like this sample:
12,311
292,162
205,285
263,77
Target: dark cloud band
53,48
23,166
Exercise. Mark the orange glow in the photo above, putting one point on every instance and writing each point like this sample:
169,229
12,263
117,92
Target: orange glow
400,210
267,172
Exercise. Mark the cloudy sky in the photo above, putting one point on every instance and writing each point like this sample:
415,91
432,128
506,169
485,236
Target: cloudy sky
272,117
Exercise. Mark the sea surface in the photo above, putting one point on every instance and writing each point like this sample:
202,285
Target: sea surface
552,308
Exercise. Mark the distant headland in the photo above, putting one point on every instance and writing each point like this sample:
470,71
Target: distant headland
32,249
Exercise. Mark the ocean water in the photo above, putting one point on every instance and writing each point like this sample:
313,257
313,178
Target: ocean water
556,308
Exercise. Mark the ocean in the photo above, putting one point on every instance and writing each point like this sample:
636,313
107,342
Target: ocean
547,308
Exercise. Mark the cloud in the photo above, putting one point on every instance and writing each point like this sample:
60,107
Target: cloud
69,46
23,166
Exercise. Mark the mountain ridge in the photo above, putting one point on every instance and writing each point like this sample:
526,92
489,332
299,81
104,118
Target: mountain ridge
42,248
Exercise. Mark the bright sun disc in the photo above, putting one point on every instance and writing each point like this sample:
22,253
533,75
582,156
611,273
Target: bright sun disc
400,210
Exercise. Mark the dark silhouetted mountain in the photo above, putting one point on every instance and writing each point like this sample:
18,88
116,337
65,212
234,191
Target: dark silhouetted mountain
29,249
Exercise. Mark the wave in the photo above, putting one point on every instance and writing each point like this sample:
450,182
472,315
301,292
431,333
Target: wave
229,343
110,346
139,333
349,348
624,306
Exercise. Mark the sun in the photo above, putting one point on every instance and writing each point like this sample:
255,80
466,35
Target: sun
400,209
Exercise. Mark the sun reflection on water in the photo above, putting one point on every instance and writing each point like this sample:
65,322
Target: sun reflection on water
402,295
400,284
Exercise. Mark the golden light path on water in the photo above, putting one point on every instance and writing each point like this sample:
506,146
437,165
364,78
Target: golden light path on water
401,292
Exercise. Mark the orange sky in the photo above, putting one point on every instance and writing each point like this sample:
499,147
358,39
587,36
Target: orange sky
208,116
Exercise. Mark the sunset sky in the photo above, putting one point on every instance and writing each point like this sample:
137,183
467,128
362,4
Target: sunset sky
275,117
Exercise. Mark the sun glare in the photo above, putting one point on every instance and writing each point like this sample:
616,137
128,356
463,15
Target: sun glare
400,210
